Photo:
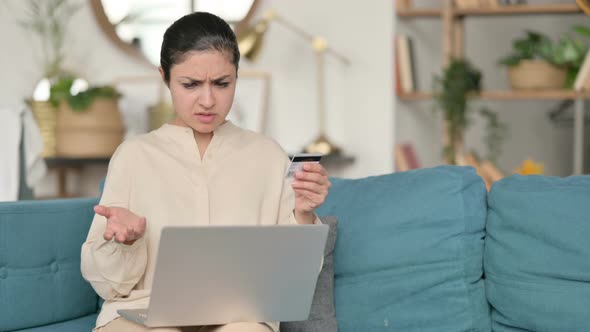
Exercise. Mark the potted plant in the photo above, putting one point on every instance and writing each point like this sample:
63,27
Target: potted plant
537,62
453,90
48,20
89,123
84,124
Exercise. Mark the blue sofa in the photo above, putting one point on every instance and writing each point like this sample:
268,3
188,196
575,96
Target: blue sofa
411,253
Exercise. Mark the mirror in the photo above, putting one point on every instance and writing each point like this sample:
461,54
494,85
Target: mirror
137,26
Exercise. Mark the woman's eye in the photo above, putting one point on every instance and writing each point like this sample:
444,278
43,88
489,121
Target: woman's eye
189,85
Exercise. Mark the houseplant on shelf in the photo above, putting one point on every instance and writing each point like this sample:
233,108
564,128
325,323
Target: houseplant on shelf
459,83
73,124
89,123
48,20
537,62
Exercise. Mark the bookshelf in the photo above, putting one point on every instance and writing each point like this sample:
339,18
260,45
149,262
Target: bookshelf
453,46
491,11
508,95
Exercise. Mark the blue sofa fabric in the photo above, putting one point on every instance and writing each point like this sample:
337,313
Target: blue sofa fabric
537,254
40,278
409,253
83,324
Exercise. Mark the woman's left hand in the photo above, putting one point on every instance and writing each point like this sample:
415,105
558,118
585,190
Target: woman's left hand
311,187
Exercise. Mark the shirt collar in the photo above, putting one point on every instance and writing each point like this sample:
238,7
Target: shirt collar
226,129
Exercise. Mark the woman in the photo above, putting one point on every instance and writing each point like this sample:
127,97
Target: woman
197,170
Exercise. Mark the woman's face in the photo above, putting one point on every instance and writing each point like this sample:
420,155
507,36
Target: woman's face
202,89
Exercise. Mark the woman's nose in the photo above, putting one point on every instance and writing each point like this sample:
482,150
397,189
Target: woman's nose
206,99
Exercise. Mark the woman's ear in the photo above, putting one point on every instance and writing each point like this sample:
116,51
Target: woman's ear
162,75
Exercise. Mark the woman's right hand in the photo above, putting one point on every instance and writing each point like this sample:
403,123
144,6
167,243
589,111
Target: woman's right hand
123,225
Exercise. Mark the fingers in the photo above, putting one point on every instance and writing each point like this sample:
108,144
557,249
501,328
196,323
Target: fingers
315,168
109,233
121,232
320,187
312,199
312,177
103,211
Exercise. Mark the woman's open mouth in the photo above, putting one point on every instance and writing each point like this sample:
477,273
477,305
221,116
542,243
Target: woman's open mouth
205,117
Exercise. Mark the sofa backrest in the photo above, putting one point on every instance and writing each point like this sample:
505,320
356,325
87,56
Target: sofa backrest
537,253
40,278
409,251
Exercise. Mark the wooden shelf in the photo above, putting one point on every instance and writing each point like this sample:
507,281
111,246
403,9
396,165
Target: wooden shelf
419,12
532,95
495,11
414,96
521,10
509,95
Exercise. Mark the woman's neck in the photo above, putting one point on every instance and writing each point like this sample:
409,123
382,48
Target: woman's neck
203,141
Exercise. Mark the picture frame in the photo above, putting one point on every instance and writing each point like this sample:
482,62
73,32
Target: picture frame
251,102
140,96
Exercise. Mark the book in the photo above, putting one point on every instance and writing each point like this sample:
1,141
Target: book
405,157
490,3
404,60
397,74
401,163
402,4
462,4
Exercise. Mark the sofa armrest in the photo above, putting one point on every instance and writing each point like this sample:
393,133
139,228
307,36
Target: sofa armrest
40,278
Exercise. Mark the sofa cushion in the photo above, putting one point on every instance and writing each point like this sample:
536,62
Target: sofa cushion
83,324
322,316
537,255
409,251
40,278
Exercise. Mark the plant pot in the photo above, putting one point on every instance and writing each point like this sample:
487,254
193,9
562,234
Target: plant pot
160,114
46,116
92,133
536,75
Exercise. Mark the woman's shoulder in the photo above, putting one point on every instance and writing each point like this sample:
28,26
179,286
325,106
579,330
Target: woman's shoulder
132,145
248,139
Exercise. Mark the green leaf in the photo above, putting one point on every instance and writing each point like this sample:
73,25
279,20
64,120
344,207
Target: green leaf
511,60
582,30
60,91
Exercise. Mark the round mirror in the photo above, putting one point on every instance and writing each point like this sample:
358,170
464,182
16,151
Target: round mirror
137,26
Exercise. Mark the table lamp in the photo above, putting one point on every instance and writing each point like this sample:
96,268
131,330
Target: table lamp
250,44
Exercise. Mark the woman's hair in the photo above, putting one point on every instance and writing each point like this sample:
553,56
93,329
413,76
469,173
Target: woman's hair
199,32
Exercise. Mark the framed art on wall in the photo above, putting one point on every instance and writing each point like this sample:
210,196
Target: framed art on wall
251,102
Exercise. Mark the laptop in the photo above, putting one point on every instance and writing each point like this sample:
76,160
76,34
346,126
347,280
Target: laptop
213,275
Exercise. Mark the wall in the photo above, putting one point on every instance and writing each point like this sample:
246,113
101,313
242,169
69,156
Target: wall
531,133
359,99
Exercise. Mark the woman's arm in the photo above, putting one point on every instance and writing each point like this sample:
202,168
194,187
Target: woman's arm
113,268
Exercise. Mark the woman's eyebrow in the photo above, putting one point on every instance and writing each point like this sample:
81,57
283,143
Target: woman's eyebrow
221,78
198,80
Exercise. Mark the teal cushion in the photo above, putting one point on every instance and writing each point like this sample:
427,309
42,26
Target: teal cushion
40,278
84,324
537,256
409,251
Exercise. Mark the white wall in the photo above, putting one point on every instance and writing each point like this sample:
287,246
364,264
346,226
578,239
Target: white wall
359,99
531,133
89,53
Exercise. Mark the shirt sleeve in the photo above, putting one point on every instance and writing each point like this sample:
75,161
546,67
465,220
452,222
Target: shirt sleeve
113,269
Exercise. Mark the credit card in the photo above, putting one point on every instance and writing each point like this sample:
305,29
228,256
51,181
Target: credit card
299,160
